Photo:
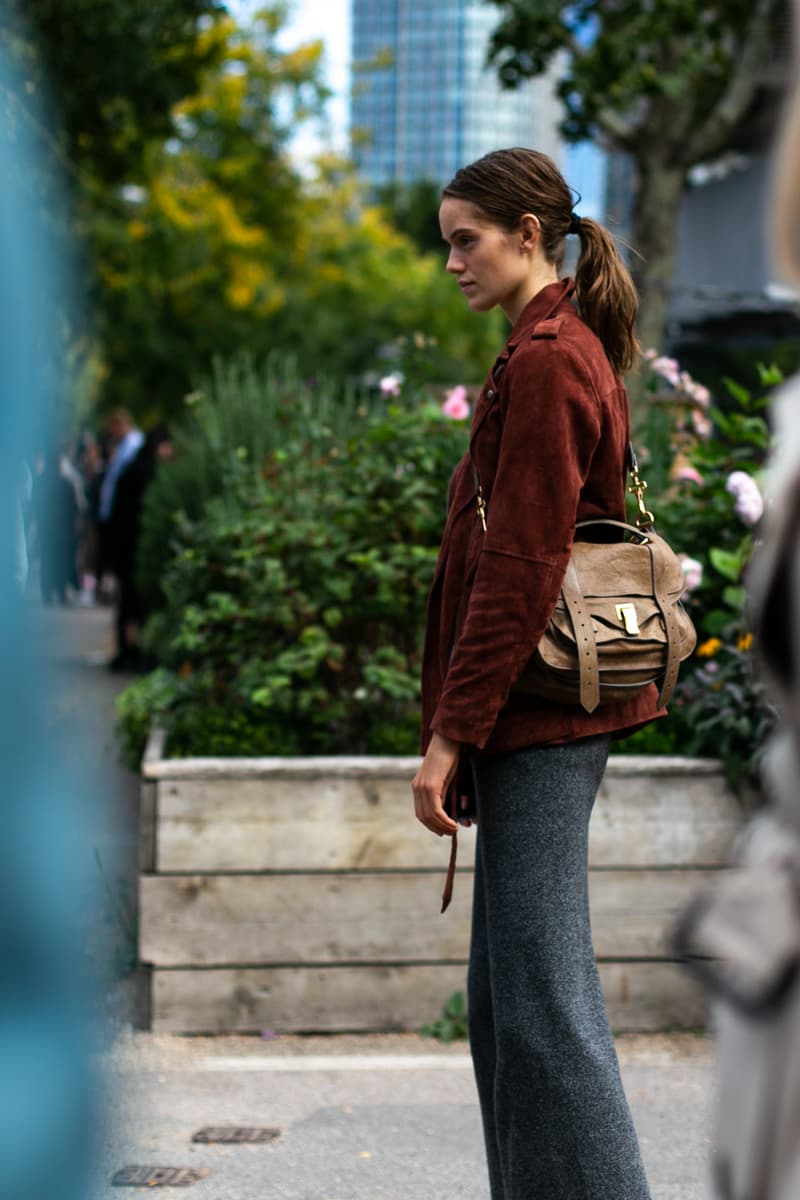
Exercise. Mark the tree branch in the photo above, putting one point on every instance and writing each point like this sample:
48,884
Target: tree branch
712,138
624,134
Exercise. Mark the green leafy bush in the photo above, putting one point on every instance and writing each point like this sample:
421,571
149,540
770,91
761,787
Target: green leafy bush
707,461
294,604
243,412
302,549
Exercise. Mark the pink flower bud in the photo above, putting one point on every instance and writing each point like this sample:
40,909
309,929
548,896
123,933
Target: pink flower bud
689,475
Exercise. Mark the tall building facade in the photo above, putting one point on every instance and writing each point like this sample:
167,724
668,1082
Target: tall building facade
423,100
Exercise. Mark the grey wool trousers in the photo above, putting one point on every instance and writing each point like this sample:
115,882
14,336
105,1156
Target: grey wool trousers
556,1122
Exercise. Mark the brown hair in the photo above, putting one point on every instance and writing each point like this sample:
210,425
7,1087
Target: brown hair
505,185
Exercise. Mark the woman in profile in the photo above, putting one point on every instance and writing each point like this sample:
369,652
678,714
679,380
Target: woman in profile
548,448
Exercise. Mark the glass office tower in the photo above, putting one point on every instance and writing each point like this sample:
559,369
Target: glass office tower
423,101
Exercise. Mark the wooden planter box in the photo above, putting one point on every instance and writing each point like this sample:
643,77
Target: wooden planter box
301,895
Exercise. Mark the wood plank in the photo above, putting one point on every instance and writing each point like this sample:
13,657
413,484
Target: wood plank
148,826
155,766
206,920
366,822
663,819
336,823
222,919
640,996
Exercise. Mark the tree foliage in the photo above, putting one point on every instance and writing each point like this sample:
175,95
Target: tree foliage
225,246
667,82
200,236
114,69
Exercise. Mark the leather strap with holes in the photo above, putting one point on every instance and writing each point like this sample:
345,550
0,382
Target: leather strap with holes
585,641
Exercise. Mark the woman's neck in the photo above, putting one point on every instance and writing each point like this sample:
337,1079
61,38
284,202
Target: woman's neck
541,276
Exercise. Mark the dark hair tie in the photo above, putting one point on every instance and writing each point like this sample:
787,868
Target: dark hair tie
574,224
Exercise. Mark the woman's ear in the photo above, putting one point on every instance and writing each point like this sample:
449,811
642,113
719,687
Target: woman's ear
530,231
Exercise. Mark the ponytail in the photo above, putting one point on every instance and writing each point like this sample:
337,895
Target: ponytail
507,183
606,295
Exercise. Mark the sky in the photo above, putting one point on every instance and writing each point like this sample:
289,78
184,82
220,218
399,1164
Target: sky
329,21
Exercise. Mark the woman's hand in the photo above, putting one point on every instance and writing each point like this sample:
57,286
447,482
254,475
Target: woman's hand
431,782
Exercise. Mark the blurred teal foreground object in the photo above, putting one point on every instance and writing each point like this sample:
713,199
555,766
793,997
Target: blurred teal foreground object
44,1080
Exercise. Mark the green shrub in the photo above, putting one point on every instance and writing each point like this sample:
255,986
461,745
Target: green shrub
294,605
243,412
453,1024
300,553
707,461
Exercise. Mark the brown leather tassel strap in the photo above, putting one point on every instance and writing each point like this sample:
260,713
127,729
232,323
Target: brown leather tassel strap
447,894
451,808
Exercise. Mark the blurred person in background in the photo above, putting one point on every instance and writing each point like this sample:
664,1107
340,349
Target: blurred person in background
114,533
743,936
121,532
92,468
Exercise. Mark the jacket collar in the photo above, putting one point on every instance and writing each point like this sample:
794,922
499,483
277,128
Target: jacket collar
541,307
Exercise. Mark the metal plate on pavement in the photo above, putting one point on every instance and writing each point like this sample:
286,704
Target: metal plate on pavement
159,1176
236,1135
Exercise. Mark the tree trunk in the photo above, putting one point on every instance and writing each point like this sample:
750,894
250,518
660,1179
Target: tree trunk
654,237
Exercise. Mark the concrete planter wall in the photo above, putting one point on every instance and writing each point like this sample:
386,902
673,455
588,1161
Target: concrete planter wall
300,894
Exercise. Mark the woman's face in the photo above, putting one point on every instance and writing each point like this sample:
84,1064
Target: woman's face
491,266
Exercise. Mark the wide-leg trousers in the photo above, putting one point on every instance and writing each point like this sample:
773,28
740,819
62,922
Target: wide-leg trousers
556,1122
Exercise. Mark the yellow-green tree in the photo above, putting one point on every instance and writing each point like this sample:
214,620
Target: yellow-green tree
224,245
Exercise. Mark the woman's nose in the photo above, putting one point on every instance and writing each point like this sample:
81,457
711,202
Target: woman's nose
454,263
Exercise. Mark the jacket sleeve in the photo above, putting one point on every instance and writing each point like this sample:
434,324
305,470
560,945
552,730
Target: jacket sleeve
550,430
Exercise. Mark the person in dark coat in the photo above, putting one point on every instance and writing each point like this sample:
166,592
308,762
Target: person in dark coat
121,539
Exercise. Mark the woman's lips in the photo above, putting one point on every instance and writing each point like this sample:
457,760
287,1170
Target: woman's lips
468,284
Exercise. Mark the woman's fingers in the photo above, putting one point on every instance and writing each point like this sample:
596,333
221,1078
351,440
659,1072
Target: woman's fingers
431,783
429,809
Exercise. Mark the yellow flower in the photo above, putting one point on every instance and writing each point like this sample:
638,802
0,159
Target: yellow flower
744,642
709,648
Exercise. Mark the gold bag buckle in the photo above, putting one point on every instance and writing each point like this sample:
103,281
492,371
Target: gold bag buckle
627,614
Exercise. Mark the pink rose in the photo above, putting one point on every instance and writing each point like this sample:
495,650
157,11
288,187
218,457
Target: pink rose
456,405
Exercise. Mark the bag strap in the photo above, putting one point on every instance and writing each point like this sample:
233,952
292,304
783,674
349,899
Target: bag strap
585,641
637,487
673,660
451,801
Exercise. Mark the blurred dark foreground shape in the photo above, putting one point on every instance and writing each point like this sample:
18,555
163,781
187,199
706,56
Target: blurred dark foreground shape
44,1085
744,937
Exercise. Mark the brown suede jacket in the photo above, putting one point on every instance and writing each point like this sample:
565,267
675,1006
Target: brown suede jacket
549,437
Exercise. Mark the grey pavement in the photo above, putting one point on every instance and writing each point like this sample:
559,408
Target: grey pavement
363,1118
360,1117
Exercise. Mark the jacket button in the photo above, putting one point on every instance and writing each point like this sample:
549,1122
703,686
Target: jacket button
490,394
